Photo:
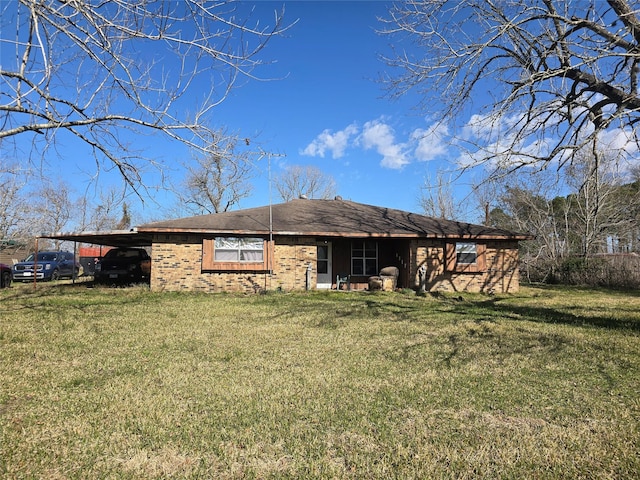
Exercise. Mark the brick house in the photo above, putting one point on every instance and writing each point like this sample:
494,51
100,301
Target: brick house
315,244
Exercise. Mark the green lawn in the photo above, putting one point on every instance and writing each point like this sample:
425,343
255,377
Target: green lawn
125,383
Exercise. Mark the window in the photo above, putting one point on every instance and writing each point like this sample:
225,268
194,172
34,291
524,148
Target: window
231,249
323,259
468,257
364,258
235,254
466,253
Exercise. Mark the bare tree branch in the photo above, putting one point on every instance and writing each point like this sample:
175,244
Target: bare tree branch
14,205
437,198
90,68
304,182
221,178
544,79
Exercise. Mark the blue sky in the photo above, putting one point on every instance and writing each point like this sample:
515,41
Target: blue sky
319,104
330,110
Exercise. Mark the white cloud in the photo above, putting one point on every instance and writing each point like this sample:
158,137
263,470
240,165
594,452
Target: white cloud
498,140
431,142
336,143
380,136
488,128
422,144
507,141
620,141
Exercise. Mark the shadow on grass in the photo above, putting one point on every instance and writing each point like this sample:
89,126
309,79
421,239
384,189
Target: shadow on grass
541,314
331,310
63,292
488,309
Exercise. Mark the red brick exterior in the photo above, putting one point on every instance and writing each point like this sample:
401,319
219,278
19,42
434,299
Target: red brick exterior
177,266
500,275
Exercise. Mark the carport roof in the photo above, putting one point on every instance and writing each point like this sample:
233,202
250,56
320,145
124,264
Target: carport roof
112,238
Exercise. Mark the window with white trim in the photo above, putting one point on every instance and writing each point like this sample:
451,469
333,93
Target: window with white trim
364,257
236,254
232,249
465,257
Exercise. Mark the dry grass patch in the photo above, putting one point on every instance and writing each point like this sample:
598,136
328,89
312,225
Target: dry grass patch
162,464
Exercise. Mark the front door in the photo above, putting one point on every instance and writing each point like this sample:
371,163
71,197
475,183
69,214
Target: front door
323,266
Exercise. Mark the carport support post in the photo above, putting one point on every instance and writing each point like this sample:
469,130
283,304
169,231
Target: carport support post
73,272
35,264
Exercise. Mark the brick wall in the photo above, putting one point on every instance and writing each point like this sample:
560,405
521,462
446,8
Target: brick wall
501,274
177,265
292,256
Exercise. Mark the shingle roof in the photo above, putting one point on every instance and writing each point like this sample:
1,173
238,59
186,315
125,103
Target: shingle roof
328,218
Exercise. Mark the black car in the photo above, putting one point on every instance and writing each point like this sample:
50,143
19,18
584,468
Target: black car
5,275
46,266
124,265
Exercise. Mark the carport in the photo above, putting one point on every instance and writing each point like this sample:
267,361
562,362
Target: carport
111,238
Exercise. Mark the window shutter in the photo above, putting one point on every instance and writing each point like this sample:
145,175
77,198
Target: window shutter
207,254
481,259
268,254
450,257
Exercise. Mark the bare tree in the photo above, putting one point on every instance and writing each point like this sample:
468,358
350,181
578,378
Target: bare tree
545,78
102,214
437,198
221,177
484,193
597,209
626,239
27,212
53,209
304,181
125,220
95,70
529,203
14,205
599,215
